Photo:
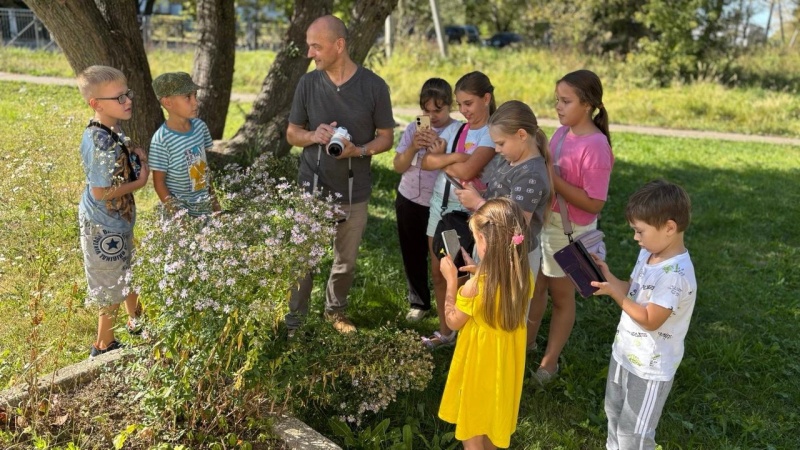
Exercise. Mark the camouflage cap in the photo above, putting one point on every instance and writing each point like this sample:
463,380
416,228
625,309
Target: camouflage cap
174,83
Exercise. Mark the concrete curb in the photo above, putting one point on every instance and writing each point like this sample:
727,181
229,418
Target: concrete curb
62,379
296,434
299,436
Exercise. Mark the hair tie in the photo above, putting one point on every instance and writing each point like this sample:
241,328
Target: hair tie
517,239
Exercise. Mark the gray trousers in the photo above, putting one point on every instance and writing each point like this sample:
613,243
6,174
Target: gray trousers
345,251
633,406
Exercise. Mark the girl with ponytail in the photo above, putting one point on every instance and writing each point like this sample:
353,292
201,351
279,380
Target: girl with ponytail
581,150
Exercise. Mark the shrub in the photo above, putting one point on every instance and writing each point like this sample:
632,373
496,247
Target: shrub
356,375
214,289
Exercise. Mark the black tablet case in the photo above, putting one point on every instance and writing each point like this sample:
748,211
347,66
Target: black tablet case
579,266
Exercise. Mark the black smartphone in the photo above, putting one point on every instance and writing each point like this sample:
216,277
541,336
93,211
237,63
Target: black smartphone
454,180
451,243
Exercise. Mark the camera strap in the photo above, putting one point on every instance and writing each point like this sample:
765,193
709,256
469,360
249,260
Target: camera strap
350,177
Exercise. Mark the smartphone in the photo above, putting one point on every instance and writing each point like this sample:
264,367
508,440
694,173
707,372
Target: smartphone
451,243
423,122
454,180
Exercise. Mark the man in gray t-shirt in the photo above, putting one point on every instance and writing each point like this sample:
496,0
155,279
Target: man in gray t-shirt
338,94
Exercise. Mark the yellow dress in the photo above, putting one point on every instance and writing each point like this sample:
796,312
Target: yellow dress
484,384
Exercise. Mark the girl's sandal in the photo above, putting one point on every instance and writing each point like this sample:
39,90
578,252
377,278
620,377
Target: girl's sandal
439,340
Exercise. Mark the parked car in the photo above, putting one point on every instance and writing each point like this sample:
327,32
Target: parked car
504,39
457,34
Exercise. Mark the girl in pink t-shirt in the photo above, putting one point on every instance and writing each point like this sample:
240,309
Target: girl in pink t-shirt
585,161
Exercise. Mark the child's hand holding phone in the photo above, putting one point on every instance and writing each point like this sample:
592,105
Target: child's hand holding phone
469,197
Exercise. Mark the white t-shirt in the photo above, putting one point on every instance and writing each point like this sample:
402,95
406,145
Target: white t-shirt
475,138
656,355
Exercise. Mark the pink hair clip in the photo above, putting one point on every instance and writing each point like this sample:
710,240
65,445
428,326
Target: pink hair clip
517,239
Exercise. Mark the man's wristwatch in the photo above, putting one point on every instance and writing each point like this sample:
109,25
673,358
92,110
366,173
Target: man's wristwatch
363,150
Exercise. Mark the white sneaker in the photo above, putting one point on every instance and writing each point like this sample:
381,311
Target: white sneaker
415,315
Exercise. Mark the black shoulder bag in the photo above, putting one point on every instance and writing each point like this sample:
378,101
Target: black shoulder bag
454,220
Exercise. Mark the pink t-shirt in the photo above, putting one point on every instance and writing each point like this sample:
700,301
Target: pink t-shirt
585,162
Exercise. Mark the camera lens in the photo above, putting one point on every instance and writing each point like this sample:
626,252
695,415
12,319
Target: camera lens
335,149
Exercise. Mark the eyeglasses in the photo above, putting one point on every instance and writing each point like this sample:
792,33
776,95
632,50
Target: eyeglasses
121,99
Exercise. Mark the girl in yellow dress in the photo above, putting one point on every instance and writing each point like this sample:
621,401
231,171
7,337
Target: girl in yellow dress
484,385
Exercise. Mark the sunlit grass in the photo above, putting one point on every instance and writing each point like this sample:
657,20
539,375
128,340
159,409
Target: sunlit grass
737,387
528,75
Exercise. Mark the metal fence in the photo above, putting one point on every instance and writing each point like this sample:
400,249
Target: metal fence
22,28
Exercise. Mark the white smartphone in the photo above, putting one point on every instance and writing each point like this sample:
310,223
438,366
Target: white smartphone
423,122
451,243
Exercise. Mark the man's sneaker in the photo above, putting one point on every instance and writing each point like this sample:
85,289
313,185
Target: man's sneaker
340,322
415,315
134,325
94,351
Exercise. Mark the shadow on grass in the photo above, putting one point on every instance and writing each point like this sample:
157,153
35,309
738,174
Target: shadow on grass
744,245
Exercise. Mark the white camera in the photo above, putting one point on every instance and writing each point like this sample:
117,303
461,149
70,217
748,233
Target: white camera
336,145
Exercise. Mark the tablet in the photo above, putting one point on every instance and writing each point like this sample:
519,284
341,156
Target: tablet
579,266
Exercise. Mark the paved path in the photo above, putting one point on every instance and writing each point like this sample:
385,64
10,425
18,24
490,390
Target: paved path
636,129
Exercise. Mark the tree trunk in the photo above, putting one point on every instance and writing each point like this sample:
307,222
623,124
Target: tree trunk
264,129
213,61
106,32
367,21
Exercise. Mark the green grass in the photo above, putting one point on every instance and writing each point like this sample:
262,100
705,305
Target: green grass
737,387
530,75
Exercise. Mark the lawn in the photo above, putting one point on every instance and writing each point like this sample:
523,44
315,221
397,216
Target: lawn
526,74
737,387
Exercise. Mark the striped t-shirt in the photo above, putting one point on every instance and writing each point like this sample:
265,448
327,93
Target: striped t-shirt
183,157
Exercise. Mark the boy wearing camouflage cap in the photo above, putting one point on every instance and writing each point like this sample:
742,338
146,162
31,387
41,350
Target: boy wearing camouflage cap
178,148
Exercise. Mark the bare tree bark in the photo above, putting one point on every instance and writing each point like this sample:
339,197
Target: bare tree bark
367,20
213,61
106,32
264,129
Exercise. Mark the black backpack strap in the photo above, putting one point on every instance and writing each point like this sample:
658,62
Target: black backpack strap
447,183
115,137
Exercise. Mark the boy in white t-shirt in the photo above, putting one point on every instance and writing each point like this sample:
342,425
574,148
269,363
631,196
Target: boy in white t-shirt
657,304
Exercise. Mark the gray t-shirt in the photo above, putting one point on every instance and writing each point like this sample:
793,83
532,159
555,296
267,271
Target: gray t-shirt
528,185
362,105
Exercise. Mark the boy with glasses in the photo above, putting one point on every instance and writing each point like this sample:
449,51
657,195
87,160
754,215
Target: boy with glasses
178,149
107,211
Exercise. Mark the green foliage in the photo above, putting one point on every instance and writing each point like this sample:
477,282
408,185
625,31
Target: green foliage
686,35
741,341
355,376
214,289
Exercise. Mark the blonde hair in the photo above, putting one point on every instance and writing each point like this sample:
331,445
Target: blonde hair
515,115
94,76
504,266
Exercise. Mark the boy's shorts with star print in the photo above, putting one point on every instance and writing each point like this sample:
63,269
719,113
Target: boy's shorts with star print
106,260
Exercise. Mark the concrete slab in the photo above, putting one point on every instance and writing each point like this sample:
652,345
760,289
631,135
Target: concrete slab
296,434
